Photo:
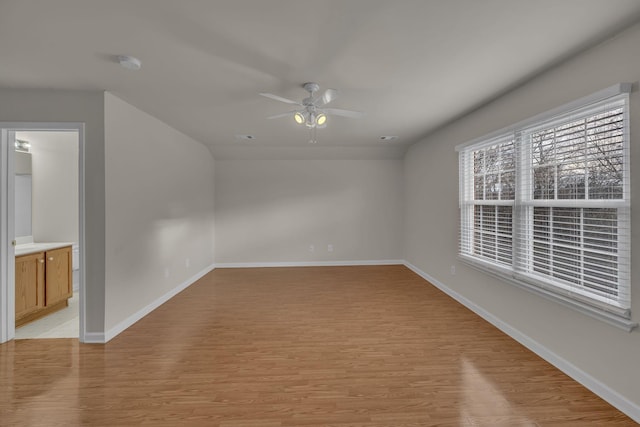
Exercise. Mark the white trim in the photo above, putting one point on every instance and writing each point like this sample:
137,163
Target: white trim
605,392
11,252
8,319
611,91
94,338
7,329
586,305
126,323
309,263
82,241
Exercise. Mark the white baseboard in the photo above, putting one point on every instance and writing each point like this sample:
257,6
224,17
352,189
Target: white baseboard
310,263
117,329
605,392
93,338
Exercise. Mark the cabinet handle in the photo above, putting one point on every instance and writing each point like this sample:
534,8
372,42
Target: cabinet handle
41,261
50,258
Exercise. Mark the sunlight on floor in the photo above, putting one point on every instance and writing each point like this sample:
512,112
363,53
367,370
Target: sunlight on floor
484,404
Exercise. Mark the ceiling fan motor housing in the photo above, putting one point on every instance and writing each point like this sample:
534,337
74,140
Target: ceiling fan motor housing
311,87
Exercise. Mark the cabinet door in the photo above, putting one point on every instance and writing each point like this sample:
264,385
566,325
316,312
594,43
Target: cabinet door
58,281
29,283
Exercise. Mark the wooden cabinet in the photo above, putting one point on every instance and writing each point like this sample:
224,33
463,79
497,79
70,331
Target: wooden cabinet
29,284
58,275
44,283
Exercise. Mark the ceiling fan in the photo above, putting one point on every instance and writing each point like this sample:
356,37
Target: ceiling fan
312,112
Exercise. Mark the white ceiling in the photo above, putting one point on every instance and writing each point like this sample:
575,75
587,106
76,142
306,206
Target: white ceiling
412,66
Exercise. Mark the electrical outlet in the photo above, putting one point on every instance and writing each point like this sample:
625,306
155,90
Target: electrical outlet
166,273
329,248
312,248
453,270
187,262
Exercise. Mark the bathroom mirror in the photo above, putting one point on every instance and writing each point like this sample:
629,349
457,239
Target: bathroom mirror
23,191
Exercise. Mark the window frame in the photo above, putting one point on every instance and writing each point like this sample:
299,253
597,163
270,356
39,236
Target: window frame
617,313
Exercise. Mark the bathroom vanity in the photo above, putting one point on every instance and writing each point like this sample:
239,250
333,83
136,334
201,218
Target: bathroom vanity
44,280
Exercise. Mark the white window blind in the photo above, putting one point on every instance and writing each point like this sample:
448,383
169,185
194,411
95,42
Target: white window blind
489,198
547,205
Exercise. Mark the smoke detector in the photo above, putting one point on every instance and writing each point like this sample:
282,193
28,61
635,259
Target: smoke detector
129,62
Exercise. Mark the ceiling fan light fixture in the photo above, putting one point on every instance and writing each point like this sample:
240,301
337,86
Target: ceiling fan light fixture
311,111
299,118
321,119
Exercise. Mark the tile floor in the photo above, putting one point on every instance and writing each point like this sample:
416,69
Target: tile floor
61,324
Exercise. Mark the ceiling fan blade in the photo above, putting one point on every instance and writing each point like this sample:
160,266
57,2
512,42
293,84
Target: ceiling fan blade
279,98
277,116
328,96
344,113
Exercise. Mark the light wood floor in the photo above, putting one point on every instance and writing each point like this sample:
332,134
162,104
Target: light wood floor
333,346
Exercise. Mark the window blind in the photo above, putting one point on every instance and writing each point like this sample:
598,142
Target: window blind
548,203
488,174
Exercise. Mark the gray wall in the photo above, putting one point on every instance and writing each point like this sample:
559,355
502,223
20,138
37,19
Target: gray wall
34,105
159,201
22,163
273,210
156,175
604,352
55,185
23,190
22,206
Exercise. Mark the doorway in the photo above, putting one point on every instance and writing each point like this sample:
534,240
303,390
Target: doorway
48,160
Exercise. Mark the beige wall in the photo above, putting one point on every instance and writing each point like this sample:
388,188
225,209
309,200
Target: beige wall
36,105
159,199
273,210
607,354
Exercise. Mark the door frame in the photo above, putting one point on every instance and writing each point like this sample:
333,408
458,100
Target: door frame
7,200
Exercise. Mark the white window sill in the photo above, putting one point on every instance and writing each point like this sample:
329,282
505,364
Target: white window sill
507,275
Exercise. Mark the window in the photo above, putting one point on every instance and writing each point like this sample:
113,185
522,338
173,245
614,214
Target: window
545,204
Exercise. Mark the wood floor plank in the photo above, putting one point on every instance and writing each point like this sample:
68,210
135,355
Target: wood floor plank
364,346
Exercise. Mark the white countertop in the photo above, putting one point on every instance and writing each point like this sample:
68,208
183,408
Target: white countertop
32,248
